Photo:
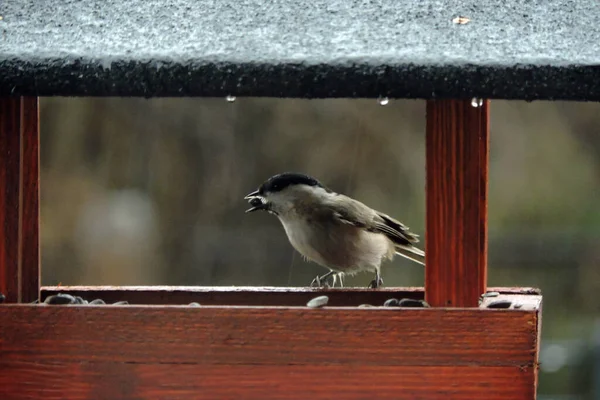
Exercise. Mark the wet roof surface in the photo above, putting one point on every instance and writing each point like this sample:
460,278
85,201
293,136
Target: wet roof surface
516,49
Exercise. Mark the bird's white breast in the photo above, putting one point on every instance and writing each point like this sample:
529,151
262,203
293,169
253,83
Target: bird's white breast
301,236
337,246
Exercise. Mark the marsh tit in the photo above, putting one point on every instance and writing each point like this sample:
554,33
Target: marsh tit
332,229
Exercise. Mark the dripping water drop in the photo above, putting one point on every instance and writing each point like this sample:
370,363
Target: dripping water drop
383,101
476,102
230,98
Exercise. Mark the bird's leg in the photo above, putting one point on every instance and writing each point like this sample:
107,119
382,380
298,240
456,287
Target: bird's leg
320,281
377,282
333,280
341,275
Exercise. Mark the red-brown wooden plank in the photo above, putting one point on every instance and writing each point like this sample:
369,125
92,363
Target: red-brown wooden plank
456,228
30,200
81,352
246,296
19,199
268,335
99,380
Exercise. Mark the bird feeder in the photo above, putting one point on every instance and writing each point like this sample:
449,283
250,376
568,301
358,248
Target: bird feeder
258,343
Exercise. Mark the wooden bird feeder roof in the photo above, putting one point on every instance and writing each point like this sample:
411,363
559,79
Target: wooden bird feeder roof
257,343
299,48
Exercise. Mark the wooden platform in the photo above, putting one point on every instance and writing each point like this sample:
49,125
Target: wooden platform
292,352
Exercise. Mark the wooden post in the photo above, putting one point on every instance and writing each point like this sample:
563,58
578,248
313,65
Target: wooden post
456,228
19,199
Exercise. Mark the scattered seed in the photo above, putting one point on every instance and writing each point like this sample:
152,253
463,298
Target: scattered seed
61,298
318,302
194,304
391,302
255,202
121,303
461,20
491,294
500,304
365,306
413,303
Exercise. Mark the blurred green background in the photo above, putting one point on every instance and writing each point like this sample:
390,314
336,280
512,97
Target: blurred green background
145,192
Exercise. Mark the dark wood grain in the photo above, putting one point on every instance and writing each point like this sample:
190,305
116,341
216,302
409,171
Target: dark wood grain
10,164
246,296
99,380
456,228
83,352
19,199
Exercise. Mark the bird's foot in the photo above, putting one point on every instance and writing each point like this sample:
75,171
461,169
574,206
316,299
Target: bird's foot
376,283
322,281
316,282
340,275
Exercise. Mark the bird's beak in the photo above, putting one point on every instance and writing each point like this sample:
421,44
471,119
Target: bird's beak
250,196
256,201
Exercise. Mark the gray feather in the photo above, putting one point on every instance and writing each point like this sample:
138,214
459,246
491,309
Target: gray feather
401,252
355,213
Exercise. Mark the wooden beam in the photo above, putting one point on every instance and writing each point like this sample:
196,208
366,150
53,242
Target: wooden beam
30,200
246,296
262,335
9,197
101,380
19,199
456,229
78,352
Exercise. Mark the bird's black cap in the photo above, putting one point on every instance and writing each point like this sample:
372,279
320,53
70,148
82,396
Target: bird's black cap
279,182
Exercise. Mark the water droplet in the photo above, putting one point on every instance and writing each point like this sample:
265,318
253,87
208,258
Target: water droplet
230,98
475,102
383,101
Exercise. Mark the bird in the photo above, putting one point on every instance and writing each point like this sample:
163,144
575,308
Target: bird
332,229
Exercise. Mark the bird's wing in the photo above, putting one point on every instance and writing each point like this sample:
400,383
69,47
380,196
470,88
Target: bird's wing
399,228
355,213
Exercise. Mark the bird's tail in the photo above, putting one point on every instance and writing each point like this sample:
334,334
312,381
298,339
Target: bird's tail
412,253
